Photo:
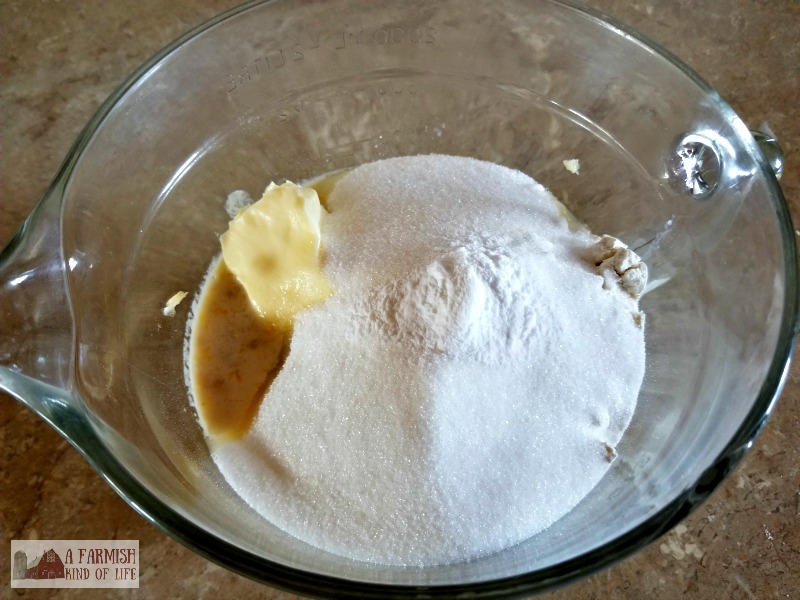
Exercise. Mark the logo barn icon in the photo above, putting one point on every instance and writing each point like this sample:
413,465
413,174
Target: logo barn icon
46,566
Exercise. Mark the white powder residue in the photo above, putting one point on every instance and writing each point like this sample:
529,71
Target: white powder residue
466,385
236,201
172,303
473,302
573,165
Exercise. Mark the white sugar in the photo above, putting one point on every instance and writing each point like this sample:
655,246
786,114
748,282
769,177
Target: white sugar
461,390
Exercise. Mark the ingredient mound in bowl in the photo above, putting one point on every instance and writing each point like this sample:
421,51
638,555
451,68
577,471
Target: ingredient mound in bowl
433,364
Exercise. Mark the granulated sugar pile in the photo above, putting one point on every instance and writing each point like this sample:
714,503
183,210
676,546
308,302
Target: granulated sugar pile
465,385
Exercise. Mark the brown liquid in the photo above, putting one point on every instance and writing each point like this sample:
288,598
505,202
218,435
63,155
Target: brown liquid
235,353
235,356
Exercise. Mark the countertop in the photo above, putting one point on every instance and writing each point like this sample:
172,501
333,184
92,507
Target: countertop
60,59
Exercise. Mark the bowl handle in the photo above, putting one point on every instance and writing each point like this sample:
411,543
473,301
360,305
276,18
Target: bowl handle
36,327
772,151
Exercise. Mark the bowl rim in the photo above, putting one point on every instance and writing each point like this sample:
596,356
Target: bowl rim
295,580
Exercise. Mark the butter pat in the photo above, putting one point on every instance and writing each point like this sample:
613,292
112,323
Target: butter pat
273,249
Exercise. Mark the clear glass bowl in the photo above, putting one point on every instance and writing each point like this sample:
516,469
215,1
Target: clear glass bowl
289,90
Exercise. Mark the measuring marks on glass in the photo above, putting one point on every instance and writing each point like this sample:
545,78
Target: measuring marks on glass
282,56
360,120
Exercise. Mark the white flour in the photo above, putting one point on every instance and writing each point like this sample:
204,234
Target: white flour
466,384
474,302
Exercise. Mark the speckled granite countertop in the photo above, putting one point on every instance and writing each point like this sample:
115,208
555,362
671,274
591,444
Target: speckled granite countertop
60,59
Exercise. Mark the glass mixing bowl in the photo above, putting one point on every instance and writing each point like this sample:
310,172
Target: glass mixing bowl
289,90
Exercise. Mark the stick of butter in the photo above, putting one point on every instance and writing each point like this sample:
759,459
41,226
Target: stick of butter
273,248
